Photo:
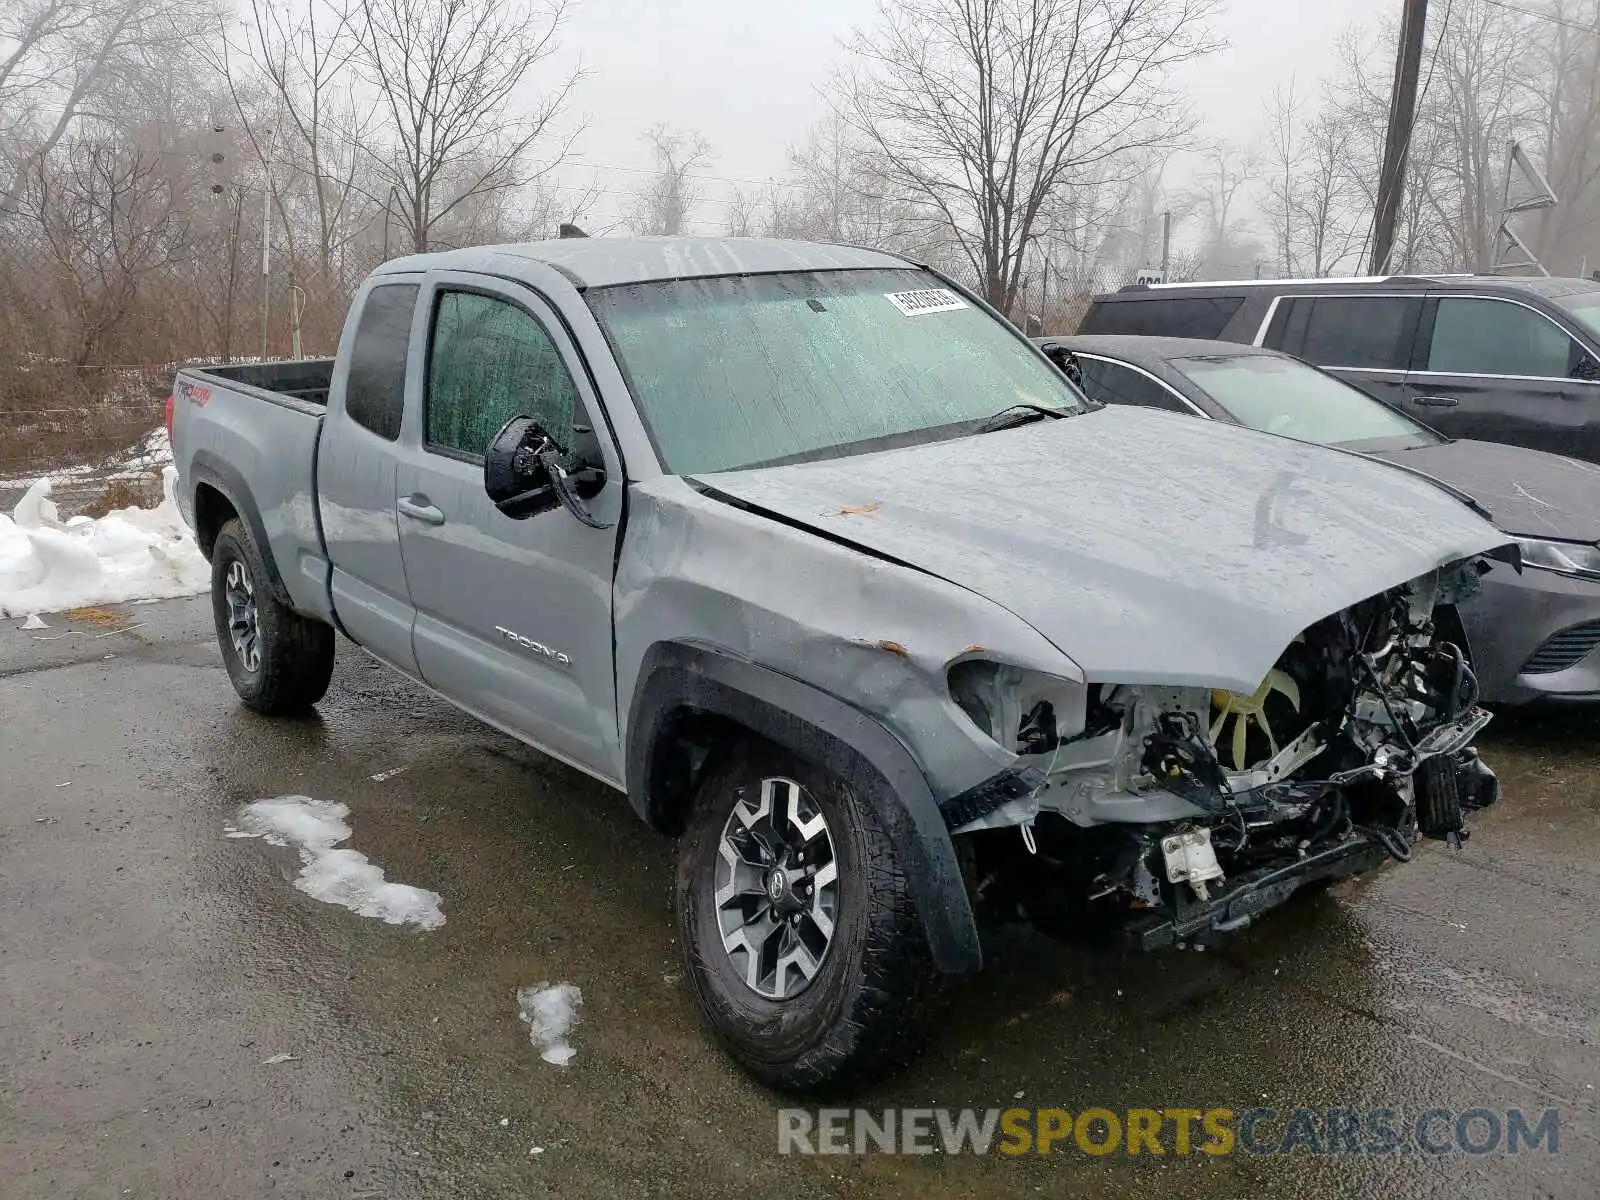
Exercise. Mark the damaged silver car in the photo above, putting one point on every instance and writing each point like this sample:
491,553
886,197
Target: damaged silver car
1181,812
850,590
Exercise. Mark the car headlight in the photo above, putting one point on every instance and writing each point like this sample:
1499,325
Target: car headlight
1578,559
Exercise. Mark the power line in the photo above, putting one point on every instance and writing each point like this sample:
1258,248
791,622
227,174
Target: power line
1542,16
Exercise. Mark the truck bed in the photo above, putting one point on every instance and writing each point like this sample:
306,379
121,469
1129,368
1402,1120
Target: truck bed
305,379
250,431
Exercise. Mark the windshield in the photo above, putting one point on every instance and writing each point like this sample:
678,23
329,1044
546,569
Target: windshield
736,371
1284,396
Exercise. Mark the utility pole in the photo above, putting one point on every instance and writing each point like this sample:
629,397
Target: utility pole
388,202
266,232
297,306
1166,245
1044,293
1397,141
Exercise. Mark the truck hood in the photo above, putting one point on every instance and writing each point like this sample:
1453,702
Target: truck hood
1530,492
1148,547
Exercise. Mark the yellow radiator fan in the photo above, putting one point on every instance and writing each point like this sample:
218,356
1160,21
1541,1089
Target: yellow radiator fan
1251,710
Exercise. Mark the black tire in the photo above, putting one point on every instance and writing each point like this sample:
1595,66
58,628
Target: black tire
296,652
860,1014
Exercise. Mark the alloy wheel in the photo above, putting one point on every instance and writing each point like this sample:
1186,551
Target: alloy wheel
244,629
777,889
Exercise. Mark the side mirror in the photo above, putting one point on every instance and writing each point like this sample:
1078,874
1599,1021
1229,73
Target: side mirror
1586,368
1065,359
527,472
515,479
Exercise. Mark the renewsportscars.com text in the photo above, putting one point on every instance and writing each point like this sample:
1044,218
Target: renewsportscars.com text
1164,1131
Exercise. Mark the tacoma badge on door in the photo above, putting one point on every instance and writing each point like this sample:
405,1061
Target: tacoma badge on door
527,643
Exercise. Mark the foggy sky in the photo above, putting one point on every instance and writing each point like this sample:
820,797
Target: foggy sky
745,73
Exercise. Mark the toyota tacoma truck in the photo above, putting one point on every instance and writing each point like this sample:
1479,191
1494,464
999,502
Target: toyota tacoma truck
814,556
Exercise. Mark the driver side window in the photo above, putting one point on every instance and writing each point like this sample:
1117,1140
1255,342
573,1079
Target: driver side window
489,361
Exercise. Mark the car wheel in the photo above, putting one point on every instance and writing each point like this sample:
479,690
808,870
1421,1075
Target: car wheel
280,662
797,925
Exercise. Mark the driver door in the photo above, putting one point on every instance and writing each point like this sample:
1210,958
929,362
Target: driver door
513,618
1499,370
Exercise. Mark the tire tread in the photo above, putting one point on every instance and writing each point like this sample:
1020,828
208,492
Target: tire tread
880,1025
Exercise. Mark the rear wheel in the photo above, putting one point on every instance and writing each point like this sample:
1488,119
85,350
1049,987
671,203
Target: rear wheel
280,662
797,924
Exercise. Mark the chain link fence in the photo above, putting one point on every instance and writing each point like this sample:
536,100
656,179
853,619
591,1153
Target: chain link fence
87,427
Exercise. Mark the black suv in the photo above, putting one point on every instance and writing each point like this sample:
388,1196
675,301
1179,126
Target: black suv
1486,357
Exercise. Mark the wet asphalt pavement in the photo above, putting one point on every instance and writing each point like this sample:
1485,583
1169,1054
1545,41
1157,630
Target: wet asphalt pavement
149,967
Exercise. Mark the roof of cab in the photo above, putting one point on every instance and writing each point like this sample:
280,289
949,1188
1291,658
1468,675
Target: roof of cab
606,261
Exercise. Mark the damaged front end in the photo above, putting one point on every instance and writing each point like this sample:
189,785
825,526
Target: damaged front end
1182,812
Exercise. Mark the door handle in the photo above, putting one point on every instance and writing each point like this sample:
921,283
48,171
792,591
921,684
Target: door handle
1437,401
418,509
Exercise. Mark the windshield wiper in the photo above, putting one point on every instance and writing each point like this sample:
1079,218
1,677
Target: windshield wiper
1020,414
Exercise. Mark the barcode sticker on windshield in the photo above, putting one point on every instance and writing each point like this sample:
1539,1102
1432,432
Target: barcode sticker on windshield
926,300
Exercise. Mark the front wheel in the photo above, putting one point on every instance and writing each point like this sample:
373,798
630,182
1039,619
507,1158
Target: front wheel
280,662
797,925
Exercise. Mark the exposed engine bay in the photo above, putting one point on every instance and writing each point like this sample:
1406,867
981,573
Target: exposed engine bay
1185,810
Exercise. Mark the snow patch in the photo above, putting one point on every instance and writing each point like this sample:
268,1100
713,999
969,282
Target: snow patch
329,872
550,1010
49,565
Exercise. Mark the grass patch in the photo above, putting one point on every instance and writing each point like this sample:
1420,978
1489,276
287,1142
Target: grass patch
125,493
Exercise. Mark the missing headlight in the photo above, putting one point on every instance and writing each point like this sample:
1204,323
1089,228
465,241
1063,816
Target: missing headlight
1027,712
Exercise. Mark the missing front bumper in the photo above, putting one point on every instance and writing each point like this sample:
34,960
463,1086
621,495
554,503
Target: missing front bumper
1251,895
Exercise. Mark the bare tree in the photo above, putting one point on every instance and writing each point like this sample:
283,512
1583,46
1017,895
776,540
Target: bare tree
1100,228
60,56
110,216
1477,105
543,207
1568,47
838,194
979,111
664,204
1355,102
293,92
756,212
1280,203
1308,201
1479,90
1229,248
827,167
447,71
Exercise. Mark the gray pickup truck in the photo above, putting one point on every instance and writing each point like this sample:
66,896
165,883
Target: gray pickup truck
828,568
